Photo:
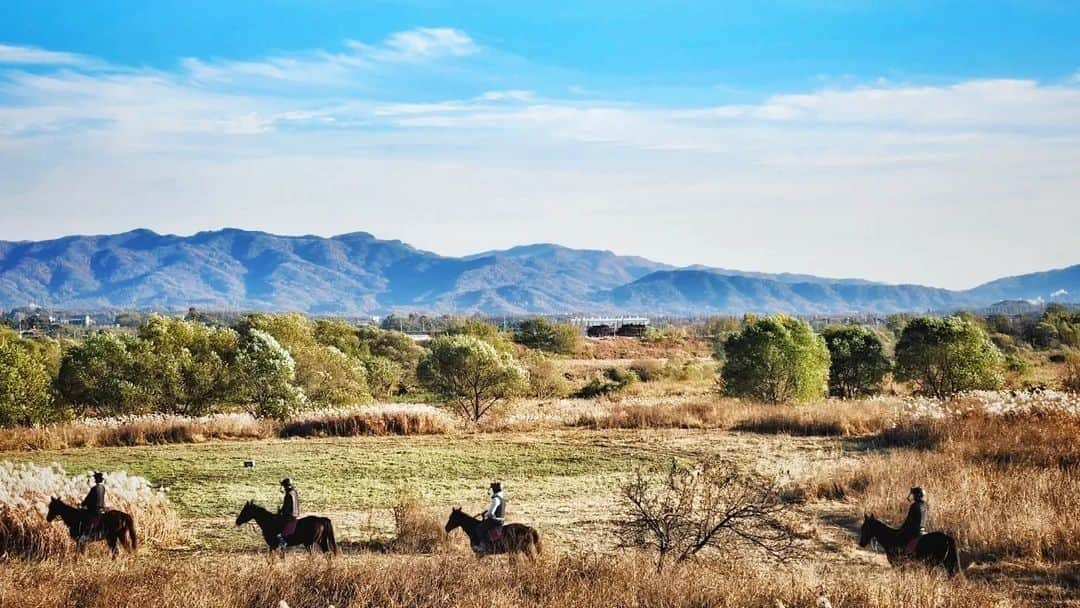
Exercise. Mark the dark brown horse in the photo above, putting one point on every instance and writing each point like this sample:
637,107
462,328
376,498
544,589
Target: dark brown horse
114,527
310,531
932,550
516,538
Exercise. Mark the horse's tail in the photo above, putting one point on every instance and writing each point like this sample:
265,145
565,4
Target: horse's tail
536,540
331,542
952,558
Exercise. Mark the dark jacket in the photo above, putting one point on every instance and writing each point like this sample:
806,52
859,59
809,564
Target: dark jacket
914,525
290,507
95,499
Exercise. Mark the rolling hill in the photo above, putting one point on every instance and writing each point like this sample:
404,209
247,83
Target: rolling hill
359,274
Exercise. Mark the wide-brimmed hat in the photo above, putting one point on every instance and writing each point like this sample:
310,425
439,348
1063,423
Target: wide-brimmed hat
99,476
496,486
287,483
918,493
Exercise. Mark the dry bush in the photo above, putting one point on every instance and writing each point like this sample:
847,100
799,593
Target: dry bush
416,528
136,430
689,415
397,420
1070,378
710,506
25,491
829,418
392,581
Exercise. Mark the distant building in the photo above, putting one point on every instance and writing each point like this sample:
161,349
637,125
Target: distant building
605,327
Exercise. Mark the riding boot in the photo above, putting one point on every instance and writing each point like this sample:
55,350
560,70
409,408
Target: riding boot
282,543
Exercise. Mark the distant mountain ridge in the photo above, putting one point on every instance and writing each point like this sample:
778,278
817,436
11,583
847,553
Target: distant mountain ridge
359,274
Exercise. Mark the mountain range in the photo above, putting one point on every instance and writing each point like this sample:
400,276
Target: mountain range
358,274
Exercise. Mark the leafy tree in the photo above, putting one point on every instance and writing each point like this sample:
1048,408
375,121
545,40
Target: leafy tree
540,334
471,375
479,328
105,374
383,376
25,386
188,364
776,359
857,361
267,372
329,376
944,356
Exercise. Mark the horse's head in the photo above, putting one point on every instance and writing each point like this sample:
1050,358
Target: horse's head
455,519
55,506
247,513
866,533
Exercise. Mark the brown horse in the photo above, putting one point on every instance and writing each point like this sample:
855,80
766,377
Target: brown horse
310,531
114,527
516,538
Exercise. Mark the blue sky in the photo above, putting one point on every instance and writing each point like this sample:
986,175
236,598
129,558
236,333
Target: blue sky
930,142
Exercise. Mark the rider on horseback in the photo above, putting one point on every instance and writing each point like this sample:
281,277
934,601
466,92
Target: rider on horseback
94,503
914,525
289,512
494,516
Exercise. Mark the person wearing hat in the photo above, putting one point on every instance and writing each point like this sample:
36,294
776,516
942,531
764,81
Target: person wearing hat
914,525
289,512
493,516
94,503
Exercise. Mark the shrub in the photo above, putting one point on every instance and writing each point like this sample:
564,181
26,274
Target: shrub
857,362
470,375
776,359
944,356
383,376
104,374
648,370
546,381
540,334
396,420
613,380
416,529
1070,381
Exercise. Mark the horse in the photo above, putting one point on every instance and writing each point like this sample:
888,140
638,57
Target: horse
516,538
310,531
114,527
933,549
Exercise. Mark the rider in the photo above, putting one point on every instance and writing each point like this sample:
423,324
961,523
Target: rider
289,512
494,515
94,503
914,525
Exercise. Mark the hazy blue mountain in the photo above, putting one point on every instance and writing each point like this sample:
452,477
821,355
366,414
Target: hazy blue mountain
357,273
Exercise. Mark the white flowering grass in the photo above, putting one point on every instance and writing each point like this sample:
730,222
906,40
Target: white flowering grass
25,492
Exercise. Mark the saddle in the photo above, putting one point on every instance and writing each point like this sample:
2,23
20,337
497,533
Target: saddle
911,546
289,528
495,534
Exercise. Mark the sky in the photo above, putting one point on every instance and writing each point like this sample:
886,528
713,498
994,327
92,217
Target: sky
913,142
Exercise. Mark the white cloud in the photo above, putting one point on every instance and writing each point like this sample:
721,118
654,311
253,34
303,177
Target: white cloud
28,55
848,176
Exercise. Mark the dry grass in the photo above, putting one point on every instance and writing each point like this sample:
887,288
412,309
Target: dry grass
826,419
416,528
25,491
688,415
389,581
1006,486
403,420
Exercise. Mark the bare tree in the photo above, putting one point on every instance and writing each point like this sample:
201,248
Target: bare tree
684,510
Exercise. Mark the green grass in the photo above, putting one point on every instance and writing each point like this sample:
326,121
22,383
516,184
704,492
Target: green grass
354,474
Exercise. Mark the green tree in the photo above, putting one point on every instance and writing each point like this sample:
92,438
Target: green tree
857,361
471,375
383,376
25,387
267,372
105,374
479,328
944,356
329,376
540,334
776,359
188,364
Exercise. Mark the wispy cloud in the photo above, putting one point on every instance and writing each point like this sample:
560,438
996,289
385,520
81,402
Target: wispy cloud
28,55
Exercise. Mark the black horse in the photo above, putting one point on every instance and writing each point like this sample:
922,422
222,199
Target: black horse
933,549
114,527
311,531
516,538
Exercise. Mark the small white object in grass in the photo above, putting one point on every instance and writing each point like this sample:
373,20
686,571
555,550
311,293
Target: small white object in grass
823,602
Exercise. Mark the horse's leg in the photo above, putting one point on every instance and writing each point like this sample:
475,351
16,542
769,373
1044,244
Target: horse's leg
114,546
